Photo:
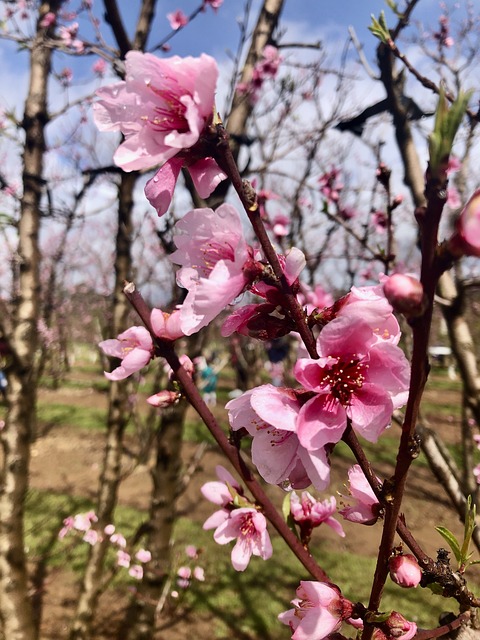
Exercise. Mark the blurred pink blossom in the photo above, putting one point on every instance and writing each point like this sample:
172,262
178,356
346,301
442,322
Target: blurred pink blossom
123,559
99,67
143,555
136,571
48,19
177,19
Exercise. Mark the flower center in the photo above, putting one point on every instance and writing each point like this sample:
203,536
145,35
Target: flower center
170,113
213,252
247,528
345,378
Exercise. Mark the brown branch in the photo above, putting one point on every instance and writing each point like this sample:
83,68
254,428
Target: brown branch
114,19
225,158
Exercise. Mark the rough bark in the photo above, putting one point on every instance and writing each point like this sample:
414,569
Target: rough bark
118,416
15,606
166,477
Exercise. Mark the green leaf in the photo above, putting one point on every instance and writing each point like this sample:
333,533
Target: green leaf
450,539
447,122
286,505
470,513
379,28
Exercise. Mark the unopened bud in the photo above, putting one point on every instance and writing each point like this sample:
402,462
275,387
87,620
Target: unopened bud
466,239
404,570
163,399
398,627
405,294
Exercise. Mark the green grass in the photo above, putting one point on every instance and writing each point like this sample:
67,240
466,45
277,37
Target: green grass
243,605
81,417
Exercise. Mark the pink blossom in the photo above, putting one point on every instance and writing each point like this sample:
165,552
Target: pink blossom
123,559
330,185
316,298
185,573
69,39
366,508
143,555
355,377
215,4
442,36
404,570
280,225
119,540
83,521
453,198
134,347
310,513
454,164
405,294
65,76
379,221
177,19
214,256
398,628
476,473
166,325
319,610
186,363
99,67
199,574
370,305
249,527
91,536
136,571
270,416
48,19
162,108
191,550
163,399
109,529
67,527
466,239
263,321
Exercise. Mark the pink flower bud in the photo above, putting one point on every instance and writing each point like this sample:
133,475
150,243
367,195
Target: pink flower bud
163,399
405,294
466,239
399,627
404,570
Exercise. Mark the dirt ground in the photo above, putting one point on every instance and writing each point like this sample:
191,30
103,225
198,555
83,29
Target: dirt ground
69,459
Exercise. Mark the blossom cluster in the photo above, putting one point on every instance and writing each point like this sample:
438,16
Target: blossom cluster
85,524
360,378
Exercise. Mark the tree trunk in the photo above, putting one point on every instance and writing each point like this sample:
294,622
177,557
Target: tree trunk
118,416
166,475
15,606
